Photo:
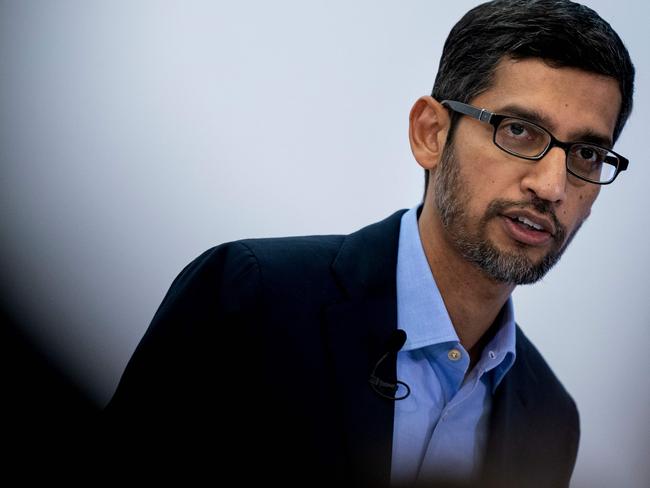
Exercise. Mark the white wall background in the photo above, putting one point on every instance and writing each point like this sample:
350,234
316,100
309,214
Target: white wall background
136,134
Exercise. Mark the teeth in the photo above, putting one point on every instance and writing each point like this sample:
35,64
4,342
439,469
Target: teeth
530,223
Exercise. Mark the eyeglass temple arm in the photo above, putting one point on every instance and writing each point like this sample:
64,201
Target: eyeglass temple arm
621,163
476,113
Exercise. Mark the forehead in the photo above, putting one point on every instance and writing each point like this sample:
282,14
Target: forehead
571,101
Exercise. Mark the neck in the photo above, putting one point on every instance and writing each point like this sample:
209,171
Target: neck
472,299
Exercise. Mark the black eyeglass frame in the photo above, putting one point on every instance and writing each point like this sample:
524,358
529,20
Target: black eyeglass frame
495,120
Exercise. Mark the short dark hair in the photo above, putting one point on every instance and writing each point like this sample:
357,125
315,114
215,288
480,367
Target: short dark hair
562,33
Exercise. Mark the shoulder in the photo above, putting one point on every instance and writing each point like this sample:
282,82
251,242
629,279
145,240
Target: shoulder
237,260
281,272
235,276
268,257
304,251
299,259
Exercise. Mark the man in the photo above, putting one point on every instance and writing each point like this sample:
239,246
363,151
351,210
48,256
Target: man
283,354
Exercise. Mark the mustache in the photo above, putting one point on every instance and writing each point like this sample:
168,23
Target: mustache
544,207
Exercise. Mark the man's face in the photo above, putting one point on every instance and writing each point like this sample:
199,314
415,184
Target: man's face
482,193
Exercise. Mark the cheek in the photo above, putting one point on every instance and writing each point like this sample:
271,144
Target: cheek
490,170
481,190
580,210
476,154
489,179
483,170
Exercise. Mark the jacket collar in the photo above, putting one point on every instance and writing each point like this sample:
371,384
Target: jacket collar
367,259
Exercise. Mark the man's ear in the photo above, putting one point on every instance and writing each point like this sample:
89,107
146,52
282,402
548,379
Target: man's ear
428,127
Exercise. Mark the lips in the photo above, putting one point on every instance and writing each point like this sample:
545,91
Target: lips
527,227
524,234
534,221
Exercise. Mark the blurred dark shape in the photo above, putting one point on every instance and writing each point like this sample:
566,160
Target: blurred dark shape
48,423
35,388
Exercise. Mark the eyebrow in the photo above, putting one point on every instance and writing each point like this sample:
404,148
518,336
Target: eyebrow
586,135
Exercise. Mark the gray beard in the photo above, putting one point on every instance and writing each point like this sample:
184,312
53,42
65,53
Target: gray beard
452,202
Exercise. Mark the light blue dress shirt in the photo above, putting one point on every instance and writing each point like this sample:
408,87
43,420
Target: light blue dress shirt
440,430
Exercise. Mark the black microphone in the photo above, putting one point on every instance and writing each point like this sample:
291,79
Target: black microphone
384,388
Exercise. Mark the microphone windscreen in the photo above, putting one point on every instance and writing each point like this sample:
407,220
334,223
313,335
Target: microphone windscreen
396,341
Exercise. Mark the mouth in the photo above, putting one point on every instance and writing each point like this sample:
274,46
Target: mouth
528,229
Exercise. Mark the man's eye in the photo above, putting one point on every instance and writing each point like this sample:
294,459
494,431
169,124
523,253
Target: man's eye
520,131
587,154
514,129
587,160
520,137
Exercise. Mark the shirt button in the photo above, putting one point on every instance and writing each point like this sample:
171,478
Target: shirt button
454,355
492,354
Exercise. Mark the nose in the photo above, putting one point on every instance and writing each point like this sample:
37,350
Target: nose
547,178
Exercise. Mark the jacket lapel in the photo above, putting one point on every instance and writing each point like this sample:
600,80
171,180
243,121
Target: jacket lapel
357,329
510,434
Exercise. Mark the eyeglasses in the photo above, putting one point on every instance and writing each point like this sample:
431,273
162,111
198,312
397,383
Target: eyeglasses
524,139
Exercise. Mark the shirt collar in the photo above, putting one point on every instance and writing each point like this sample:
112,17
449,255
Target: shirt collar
421,311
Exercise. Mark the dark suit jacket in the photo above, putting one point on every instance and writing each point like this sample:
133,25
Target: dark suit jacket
262,349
